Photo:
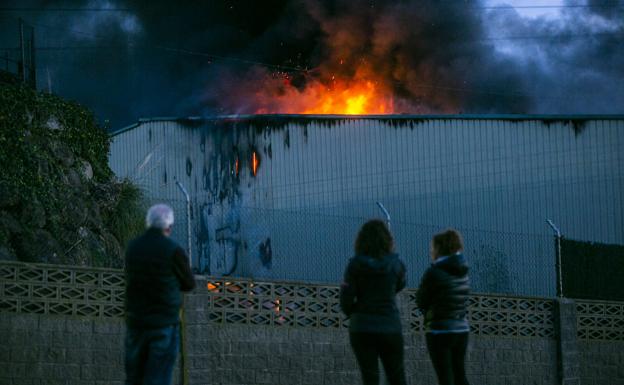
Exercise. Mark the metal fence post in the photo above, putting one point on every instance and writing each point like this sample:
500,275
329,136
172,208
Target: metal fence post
188,220
558,258
386,213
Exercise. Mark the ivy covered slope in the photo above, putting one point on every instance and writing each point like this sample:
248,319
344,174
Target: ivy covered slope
59,200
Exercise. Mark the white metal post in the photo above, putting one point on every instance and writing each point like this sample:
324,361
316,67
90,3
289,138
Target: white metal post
558,236
386,213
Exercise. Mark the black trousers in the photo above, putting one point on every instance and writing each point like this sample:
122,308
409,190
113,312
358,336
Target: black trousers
370,347
447,352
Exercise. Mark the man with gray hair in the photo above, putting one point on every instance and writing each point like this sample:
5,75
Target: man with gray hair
157,272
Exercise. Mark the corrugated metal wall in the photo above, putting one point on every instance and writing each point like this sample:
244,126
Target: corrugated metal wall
498,180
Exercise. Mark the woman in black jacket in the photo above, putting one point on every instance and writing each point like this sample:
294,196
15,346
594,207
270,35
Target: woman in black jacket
368,297
443,297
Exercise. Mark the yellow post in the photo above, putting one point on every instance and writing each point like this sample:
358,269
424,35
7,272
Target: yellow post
183,357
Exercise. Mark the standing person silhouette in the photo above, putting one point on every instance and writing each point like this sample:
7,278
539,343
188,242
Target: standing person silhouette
157,272
443,297
372,279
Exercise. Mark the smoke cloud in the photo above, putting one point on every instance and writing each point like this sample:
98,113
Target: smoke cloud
236,57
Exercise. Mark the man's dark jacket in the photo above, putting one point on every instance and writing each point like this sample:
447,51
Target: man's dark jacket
443,294
368,293
157,271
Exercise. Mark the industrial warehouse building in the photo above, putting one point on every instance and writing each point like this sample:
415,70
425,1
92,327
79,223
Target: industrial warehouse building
282,196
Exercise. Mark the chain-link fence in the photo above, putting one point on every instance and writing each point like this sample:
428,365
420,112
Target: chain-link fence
314,246
310,246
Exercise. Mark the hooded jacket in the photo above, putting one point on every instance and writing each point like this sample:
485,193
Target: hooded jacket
368,293
443,295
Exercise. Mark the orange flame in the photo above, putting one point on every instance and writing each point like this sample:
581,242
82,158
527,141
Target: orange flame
358,98
254,163
358,93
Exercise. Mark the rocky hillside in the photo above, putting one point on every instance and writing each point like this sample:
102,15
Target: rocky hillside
59,201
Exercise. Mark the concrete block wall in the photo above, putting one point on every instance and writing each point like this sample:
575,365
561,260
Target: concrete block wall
241,354
235,354
60,350
65,326
601,362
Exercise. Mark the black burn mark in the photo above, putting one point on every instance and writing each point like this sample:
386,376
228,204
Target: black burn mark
270,123
206,179
266,253
214,175
189,166
287,138
149,135
203,236
402,123
190,122
264,125
228,140
578,125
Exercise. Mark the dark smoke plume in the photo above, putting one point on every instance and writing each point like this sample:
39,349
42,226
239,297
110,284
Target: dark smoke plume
431,56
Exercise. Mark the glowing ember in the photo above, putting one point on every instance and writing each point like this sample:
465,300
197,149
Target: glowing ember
254,163
277,305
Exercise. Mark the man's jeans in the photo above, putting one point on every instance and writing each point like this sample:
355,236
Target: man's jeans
151,355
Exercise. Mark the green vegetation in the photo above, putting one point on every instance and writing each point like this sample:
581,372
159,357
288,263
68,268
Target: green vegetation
59,200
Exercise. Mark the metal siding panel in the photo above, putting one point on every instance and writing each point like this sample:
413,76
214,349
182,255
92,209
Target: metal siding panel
489,174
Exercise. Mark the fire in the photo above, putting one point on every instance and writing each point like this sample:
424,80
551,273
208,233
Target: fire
254,163
349,94
344,98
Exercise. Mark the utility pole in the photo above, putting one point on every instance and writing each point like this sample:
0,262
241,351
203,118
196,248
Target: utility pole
32,67
22,63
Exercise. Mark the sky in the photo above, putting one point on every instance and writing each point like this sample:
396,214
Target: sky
148,59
